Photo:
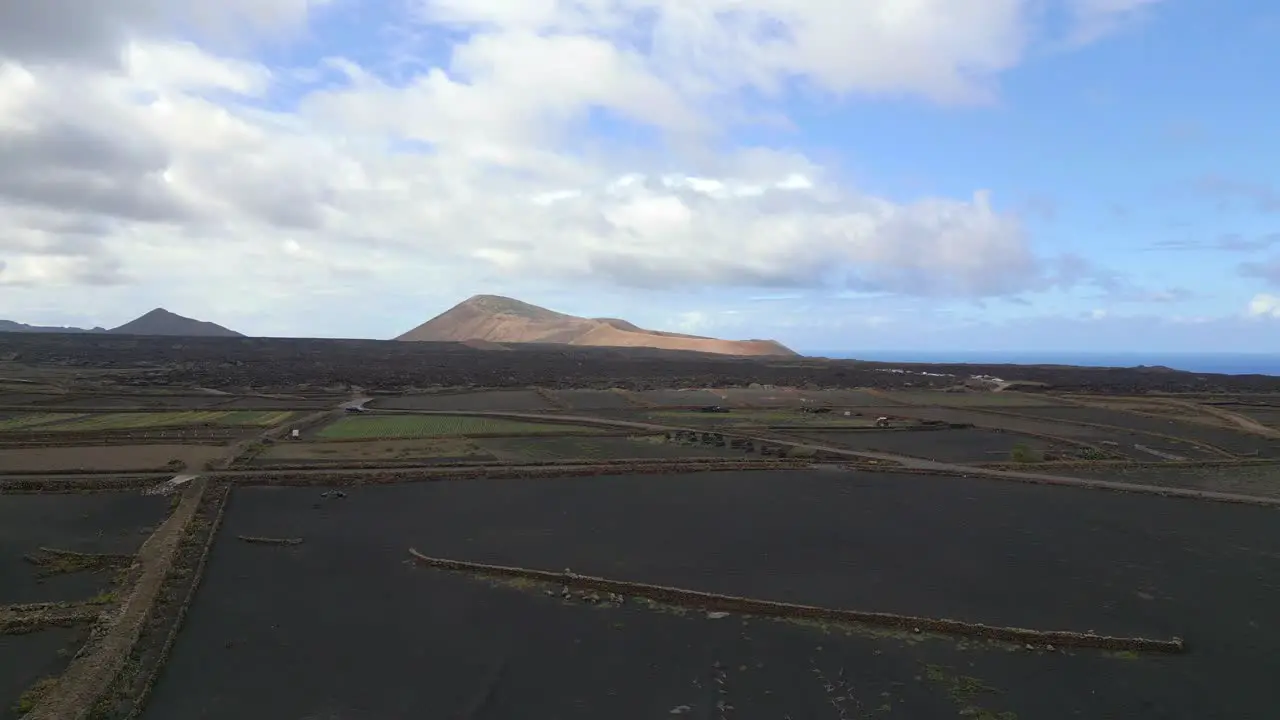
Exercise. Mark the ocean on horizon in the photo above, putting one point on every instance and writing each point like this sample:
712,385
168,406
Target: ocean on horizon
1218,363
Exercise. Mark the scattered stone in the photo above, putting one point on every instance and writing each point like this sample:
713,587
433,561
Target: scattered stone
680,710
717,615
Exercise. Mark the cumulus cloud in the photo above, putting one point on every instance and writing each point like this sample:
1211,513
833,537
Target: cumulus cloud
178,166
1264,305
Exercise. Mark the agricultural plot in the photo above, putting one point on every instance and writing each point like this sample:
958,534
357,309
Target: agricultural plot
1004,399
593,399
761,397
1229,440
597,448
988,551
513,651
142,421
1269,416
28,658
106,458
1243,479
668,398
752,417
112,523
10,422
425,450
842,398
264,403
1122,441
489,400
424,426
970,445
137,401
25,398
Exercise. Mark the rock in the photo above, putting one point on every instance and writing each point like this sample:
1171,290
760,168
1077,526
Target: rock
680,710
717,615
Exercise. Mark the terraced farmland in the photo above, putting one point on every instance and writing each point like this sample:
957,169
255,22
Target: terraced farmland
23,421
139,421
417,426
597,448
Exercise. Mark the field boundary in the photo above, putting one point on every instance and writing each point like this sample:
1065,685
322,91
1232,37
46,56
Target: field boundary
95,668
770,608
516,473
221,496
1087,483
467,464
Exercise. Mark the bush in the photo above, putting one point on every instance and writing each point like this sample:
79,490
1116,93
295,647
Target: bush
1024,453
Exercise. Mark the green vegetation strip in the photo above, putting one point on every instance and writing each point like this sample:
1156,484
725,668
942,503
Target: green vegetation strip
769,608
421,426
147,420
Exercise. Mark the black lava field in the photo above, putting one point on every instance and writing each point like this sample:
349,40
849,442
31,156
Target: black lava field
344,625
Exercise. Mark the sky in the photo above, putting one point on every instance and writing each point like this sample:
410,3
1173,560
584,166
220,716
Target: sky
839,175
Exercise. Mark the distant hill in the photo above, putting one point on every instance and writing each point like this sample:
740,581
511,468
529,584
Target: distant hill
156,322
163,322
11,326
496,319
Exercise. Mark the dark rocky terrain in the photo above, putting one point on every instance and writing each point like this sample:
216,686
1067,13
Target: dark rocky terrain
279,363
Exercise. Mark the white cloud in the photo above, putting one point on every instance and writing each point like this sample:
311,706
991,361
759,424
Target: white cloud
163,167
1093,19
1264,305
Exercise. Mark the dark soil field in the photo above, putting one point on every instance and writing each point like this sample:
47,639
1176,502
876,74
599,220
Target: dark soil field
262,403
592,399
513,400
1265,415
1125,440
676,398
597,448
842,398
1243,479
956,446
25,659
424,450
1229,440
115,523
975,399
26,398
765,397
437,645
106,457
272,635
126,402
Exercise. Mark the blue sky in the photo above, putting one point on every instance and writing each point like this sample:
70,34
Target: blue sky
1051,175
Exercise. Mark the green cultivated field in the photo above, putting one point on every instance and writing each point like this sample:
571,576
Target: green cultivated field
140,421
418,426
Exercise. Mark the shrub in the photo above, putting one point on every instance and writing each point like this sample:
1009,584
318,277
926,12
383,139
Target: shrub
1024,453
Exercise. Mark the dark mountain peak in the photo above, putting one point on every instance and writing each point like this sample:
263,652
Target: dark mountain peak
163,322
